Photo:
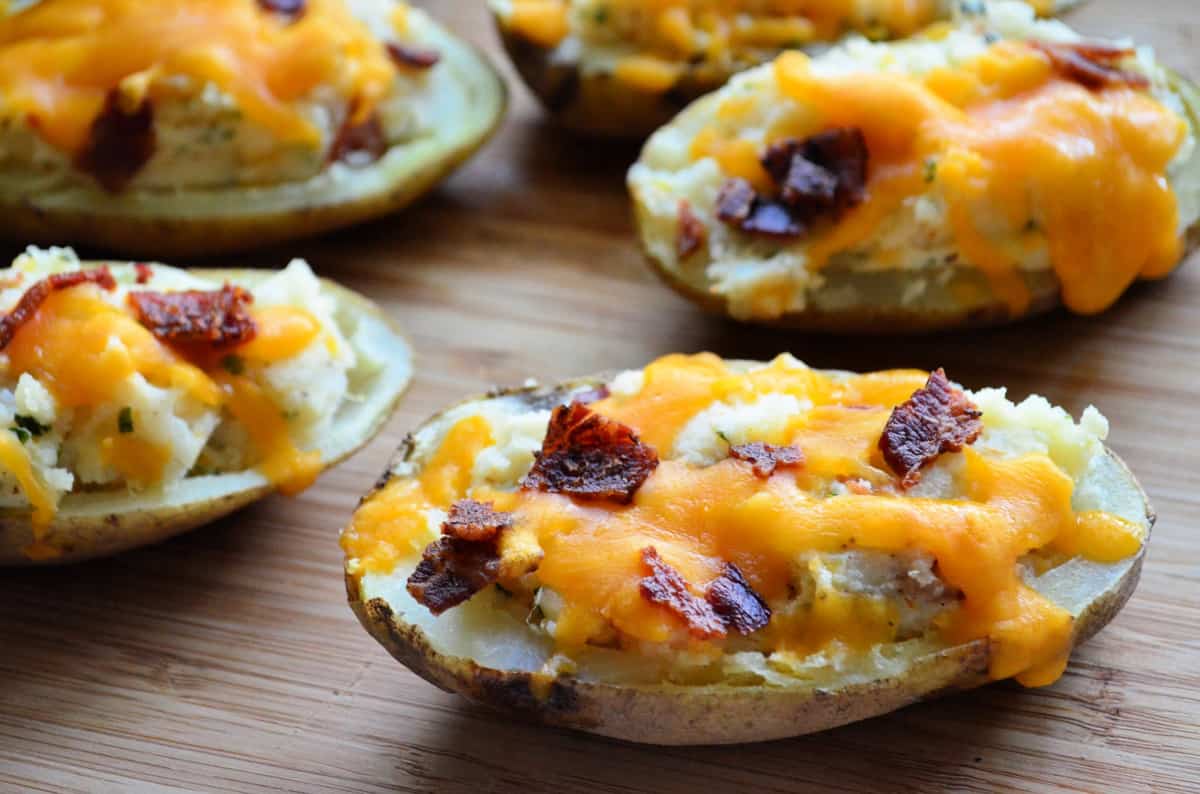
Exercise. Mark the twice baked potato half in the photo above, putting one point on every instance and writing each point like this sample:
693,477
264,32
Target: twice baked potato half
141,400
194,128
624,67
975,175
709,551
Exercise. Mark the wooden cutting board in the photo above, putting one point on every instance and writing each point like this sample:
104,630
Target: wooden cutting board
227,660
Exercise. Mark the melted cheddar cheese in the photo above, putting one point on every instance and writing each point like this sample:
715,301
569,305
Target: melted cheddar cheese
700,517
60,59
681,31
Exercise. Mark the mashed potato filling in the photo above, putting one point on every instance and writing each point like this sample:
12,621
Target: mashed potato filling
93,399
851,565
981,154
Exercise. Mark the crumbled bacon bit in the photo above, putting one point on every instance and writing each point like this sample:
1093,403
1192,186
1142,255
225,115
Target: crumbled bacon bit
33,298
738,205
286,8
691,233
766,458
736,603
453,570
937,419
665,587
1094,66
190,317
359,144
822,176
407,56
144,272
590,457
119,143
475,521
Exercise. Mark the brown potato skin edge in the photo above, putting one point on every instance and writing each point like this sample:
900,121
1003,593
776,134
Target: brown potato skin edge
177,238
680,715
85,539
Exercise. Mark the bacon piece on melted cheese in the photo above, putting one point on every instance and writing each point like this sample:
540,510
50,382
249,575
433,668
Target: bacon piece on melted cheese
215,317
33,298
120,142
766,458
465,560
590,457
817,178
475,521
291,9
664,586
1091,65
736,603
937,419
359,144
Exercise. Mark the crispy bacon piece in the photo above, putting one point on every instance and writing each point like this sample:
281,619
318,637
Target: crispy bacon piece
820,177
766,458
144,272
452,570
33,298
938,418
195,317
359,144
736,603
590,457
407,56
1094,66
475,521
665,587
464,560
292,9
691,232
119,143
740,206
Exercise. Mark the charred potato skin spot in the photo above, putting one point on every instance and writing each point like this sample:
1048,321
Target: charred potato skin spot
679,715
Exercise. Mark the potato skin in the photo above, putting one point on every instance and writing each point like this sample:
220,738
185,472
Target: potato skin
697,715
894,318
88,537
147,228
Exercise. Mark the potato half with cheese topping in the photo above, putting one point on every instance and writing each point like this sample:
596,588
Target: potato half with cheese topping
709,551
183,127
138,401
625,67
982,174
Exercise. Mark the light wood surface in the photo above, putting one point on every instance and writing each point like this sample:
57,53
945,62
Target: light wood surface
228,660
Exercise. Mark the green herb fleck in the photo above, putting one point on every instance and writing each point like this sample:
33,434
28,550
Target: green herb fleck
31,425
125,420
233,364
600,15
21,433
931,166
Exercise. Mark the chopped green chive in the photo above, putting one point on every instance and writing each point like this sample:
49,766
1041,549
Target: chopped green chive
233,364
930,170
31,425
21,433
125,420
